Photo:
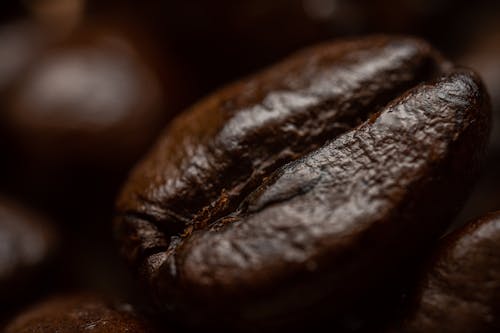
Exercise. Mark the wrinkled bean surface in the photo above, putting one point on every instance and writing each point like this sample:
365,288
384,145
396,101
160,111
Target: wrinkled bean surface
309,181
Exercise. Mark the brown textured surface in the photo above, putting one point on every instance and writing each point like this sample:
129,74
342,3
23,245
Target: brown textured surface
79,313
27,243
460,291
248,129
215,215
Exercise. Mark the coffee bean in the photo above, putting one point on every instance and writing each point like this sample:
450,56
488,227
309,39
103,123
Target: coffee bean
78,117
460,290
305,184
250,128
92,97
27,245
79,313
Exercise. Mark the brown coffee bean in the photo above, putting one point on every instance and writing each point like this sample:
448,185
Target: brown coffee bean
460,290
79,313
218,214
84,102
78,118
27,245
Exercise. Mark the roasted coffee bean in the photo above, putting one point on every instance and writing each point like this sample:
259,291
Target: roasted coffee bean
460,290
27,245
79,313
79,117
304,184
85,102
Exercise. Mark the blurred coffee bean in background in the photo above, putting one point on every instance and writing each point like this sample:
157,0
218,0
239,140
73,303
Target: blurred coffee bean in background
79,313
75,121
61,17
84,110
28,248
81,101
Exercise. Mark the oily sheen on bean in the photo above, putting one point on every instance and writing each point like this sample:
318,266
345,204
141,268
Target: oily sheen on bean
304,184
